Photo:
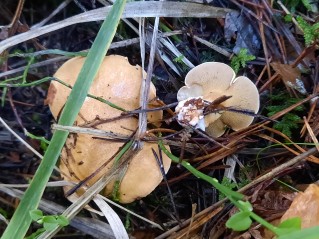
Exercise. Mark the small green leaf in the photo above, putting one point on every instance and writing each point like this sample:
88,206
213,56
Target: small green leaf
239,221
289,225
308,233
50,219
36,214
62,220
36,234
294,222
49,223
49,226
288,18
241,59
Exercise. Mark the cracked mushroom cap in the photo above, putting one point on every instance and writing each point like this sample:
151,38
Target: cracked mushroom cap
212,80
120,83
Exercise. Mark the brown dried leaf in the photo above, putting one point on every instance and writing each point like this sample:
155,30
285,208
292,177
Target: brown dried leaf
290,75
305,206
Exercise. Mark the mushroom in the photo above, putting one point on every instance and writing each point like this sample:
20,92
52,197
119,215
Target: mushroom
119,82
212,80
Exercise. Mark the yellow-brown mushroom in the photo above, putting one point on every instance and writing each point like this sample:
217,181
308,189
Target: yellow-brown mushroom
212,80
119,82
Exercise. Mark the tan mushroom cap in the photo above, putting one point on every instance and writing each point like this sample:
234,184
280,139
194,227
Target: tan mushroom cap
213,80
141,177
119,82
208,78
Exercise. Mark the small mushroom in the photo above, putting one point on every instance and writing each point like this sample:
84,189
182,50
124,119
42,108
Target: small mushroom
120,83
212,80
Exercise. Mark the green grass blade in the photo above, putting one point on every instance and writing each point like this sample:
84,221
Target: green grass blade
21,219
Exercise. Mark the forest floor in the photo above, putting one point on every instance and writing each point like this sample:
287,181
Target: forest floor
275,44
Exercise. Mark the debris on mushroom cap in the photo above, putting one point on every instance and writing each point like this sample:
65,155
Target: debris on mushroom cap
191,112
212,80
140,179
120,83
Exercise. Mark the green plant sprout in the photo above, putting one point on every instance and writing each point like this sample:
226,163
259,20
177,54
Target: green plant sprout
206,56
241,59
311,32
290,120
5,84
232,185
49,222
243,219
167,29
288,18
229,184
179,59
43,141
23,77
48,52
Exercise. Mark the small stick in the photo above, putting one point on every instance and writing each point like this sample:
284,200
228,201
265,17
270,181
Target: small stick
159,160
312,135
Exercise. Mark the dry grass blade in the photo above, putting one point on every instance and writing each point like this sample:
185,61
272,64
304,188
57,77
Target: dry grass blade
90,131
133,9
54,13
145,86
213,46
114,45
111,216
55,209
275,171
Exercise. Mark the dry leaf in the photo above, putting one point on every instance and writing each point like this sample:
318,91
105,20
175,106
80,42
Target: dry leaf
290,75
306,206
